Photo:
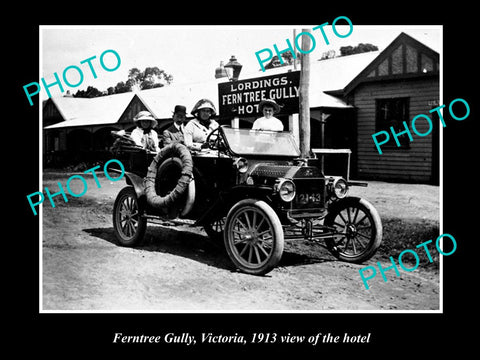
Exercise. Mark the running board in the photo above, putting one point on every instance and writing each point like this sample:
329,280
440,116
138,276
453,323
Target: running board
169,222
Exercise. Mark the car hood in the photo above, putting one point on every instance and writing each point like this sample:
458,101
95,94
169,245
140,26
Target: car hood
284,171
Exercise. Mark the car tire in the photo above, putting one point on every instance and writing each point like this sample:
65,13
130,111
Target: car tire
358,227
253,237
128,223
172,200
215,230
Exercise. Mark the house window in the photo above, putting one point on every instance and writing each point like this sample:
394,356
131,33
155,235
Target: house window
393,112
412,63
397,61
426,63
383,68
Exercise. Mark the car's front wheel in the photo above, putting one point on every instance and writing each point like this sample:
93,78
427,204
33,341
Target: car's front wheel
358,230
253,236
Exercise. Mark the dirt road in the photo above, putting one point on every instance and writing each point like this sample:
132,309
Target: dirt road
180,269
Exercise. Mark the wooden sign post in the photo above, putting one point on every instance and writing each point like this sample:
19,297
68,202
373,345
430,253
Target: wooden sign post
304,115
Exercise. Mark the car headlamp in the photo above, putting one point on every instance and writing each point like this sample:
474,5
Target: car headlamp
340,188
242,165
286,189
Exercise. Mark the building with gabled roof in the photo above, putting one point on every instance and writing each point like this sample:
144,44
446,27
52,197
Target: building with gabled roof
353,96
79,129
401,82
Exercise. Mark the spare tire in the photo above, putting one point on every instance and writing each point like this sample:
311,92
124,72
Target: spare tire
172,199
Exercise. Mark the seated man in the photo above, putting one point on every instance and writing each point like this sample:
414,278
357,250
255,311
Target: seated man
175,132
268,122
197,129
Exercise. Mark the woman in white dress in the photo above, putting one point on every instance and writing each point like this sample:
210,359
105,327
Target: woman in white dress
143,134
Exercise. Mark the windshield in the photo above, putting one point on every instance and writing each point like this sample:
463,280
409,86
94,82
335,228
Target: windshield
260,142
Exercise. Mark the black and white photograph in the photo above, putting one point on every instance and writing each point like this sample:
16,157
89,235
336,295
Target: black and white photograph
232,187
228,193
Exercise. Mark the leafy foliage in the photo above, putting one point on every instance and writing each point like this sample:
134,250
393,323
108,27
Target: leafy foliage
90,92
287,57
360,48
151,77
287,60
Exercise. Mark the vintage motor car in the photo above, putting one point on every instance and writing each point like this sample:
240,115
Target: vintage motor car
251,190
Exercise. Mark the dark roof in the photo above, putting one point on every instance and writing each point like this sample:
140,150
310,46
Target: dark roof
402,39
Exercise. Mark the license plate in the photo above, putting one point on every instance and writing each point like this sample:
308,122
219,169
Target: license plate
307,198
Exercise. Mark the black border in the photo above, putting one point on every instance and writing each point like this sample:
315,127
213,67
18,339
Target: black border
402,334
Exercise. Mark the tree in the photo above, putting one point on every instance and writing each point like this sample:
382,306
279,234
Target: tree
330,54
90,92
346,50
287,60
151,77
360,48
121,87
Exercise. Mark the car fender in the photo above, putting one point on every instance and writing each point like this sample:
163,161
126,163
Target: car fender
351,200
134,180
348,200
340,202
227,199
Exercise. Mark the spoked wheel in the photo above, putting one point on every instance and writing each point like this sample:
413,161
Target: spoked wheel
128,223
253,237
358,230
215,229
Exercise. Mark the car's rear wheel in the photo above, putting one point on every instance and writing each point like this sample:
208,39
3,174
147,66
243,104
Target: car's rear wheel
253,236
358,230
215,229
128,223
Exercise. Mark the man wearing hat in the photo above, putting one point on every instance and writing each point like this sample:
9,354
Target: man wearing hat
197,129
175,132
268,108
143,134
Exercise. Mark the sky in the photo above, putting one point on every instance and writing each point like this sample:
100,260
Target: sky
191,53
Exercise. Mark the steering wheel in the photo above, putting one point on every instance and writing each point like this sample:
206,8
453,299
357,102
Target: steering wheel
213,139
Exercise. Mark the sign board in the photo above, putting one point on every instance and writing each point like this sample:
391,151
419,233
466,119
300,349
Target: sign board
241,98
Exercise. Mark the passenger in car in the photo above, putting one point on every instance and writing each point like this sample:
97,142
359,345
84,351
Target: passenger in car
197,129
143,134
268,108
174,133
